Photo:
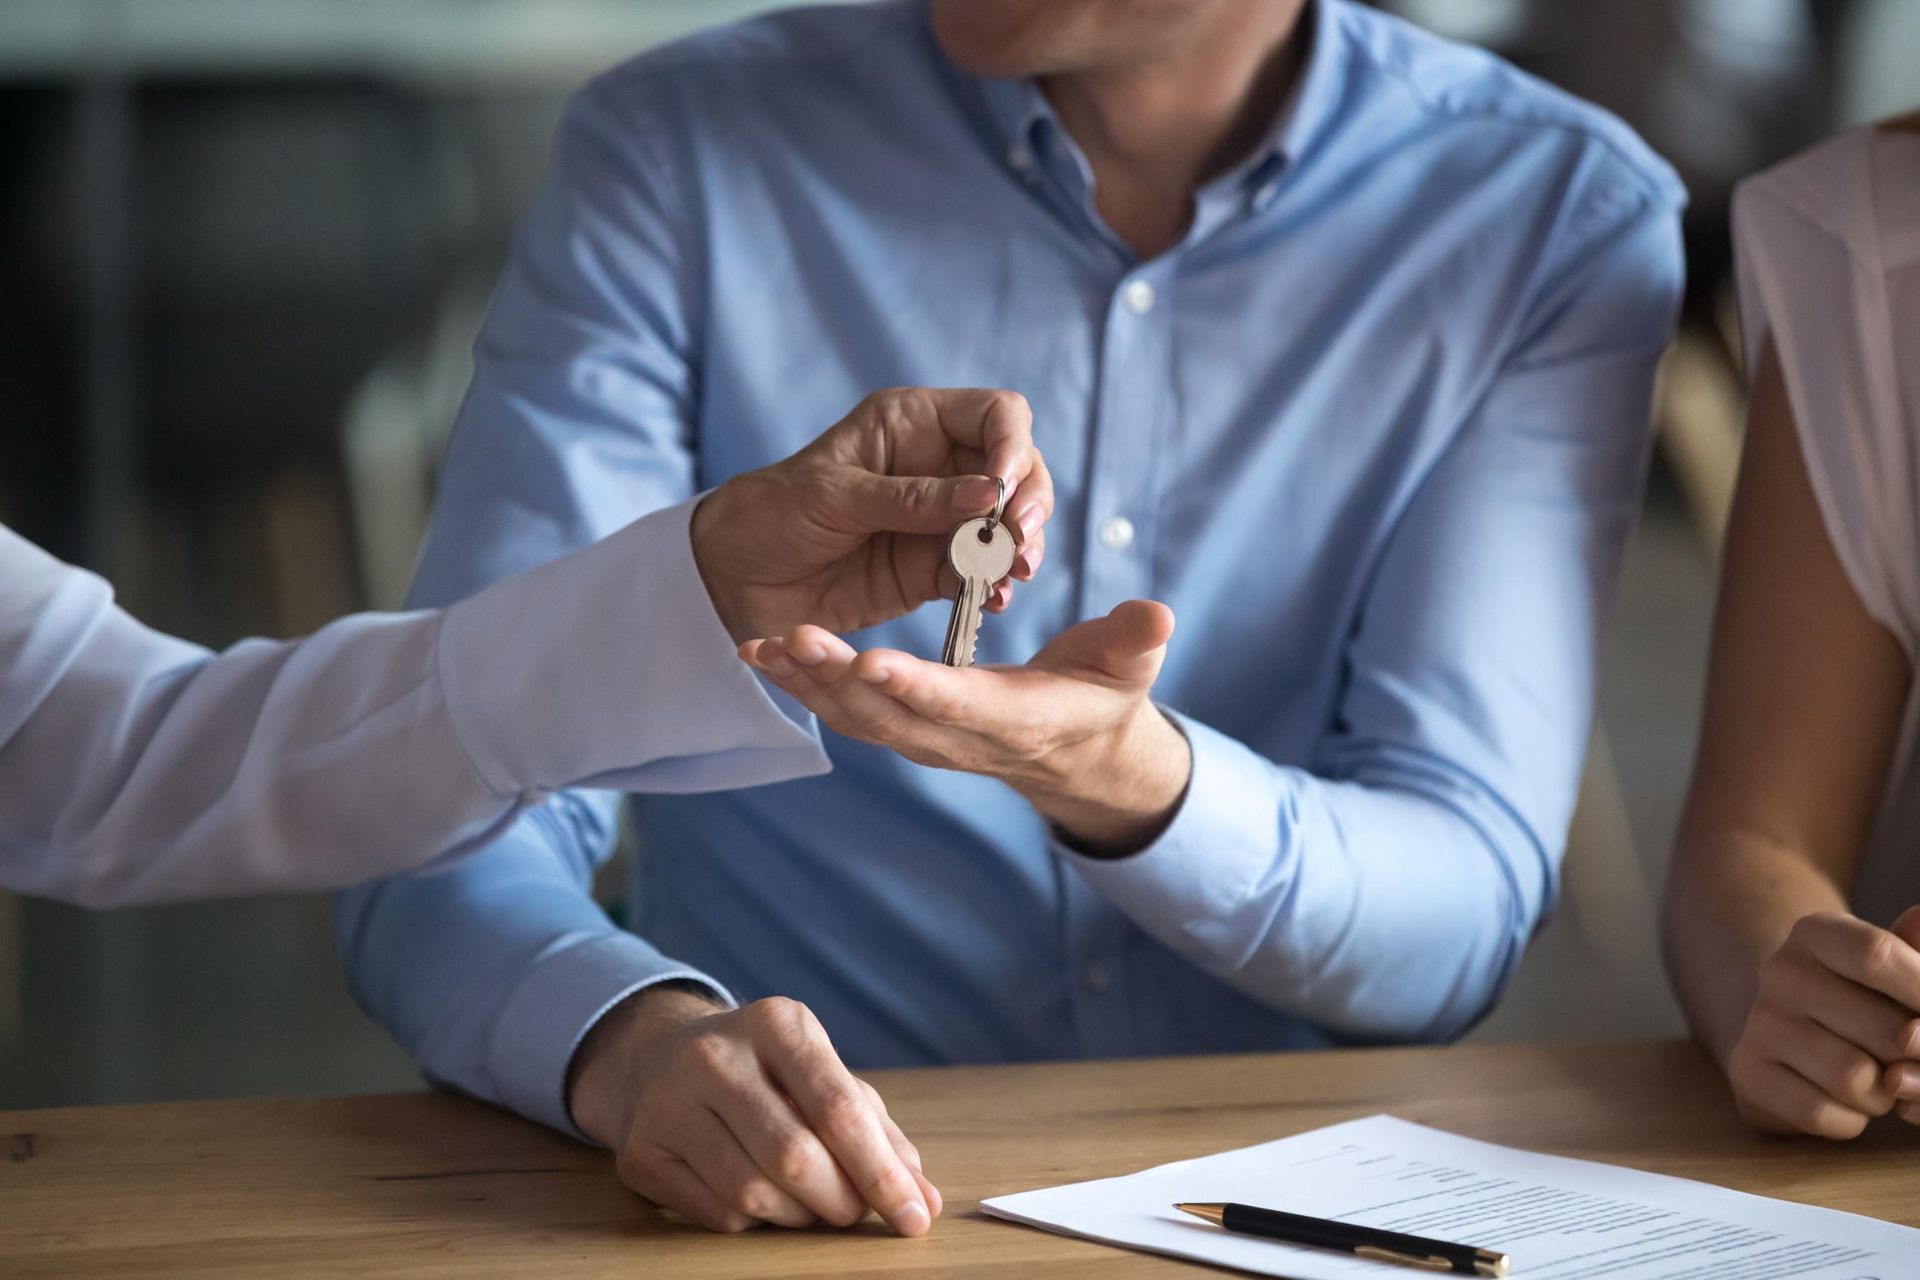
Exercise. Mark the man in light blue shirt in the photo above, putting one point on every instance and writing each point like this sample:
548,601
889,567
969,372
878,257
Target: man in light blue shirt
1338,340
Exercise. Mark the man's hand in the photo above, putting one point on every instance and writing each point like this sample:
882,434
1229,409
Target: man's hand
1073,731
852,530
738,1117
1829,1041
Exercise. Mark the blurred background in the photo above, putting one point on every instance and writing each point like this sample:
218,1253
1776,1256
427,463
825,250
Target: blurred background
247,244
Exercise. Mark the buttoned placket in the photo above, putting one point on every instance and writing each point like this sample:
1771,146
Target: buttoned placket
1131,428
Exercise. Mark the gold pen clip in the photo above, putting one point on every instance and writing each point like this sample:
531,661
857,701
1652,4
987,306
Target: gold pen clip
1485,1261
1432,1262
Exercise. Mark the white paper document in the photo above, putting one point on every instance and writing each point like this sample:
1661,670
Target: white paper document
1555,1218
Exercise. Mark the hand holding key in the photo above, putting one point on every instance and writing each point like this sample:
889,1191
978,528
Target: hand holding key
1074,730
854,529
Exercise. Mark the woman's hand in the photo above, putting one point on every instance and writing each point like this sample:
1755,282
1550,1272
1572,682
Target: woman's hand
852,530
1832,1039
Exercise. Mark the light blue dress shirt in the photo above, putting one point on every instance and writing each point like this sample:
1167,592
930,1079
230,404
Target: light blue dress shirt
1375,430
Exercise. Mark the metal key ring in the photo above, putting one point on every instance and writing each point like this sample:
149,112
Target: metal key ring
1000,499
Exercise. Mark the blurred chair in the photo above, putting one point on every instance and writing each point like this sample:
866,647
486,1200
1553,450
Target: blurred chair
1594,971
393,431
392,434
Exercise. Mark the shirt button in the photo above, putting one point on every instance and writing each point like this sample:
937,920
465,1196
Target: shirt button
1097,977
1138,296
1117,533
1019,157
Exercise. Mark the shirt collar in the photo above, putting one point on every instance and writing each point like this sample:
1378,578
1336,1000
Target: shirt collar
1020,112
1310,110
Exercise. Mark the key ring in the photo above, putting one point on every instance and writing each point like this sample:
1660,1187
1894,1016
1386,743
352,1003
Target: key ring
999,499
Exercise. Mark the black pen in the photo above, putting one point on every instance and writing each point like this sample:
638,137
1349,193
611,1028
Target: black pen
1348,1237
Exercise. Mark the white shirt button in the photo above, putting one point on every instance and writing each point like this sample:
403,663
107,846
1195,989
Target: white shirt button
1138,295
1117,533
1097,978
1019,157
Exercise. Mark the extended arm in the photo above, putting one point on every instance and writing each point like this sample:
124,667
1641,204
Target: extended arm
139,768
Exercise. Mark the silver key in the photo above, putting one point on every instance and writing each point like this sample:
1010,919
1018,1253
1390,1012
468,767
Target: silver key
980,553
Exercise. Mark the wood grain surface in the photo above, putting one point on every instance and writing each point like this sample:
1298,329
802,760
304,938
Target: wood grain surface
426,1184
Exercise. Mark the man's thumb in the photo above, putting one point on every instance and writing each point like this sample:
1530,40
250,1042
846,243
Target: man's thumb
916,504
1127,645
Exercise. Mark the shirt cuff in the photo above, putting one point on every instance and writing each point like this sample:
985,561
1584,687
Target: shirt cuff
1222,844
569,988
609,667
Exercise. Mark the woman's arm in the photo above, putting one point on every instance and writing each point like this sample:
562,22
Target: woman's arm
1801,1002
137,768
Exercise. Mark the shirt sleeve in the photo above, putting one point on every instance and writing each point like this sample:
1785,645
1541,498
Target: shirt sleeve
135,767
140,768
609,668
579,420
1814,286
1389,891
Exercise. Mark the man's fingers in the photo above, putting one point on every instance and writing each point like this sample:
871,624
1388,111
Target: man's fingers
908,1153
910,1156
767,655
963,696
854,708
825,655
1856,950
670,1183
787,1152
834,1104
740,1178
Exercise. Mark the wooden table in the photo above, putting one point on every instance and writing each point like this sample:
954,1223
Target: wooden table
433,1185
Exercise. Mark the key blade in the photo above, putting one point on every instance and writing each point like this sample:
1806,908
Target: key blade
958,650
950,647
972,635
970,623
978,592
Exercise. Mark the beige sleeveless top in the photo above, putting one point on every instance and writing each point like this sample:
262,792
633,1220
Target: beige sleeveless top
1828,252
